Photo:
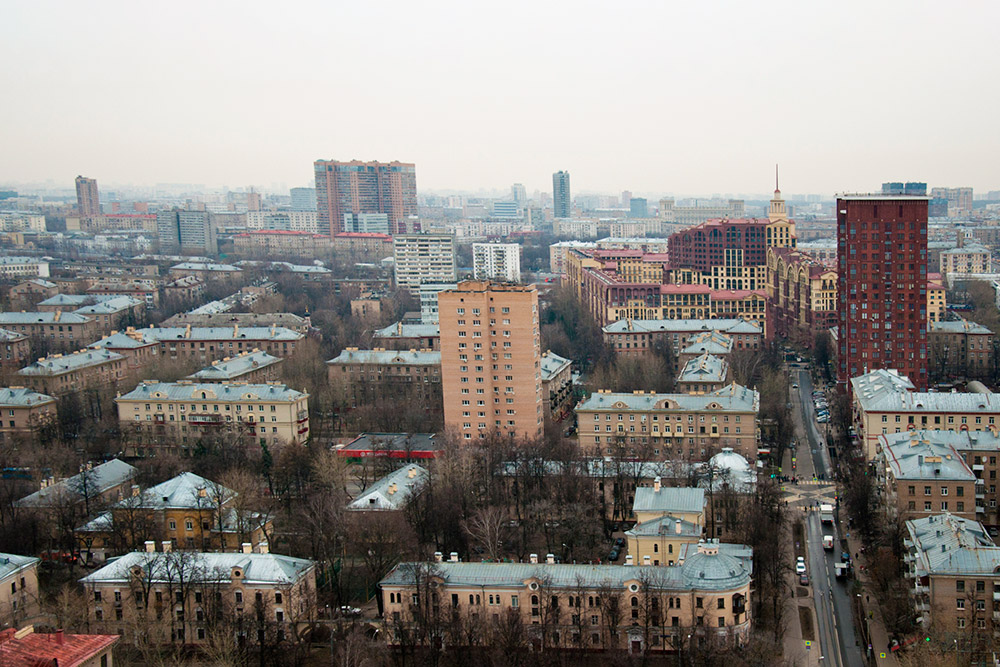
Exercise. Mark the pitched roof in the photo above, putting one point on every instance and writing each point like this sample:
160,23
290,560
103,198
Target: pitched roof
733,398
8,335
22,397
665,525
227,369
669,499
185,491
959,326
400,330
158,566
13,563
47,317
918,459
552,364
388,357
947,544
733,325
63,363
706,368
100,478
393,491
711,342
214,391
27,648
888,391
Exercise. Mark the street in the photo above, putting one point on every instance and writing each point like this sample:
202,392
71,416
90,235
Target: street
835,626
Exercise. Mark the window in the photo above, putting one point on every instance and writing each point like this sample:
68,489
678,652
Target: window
960,603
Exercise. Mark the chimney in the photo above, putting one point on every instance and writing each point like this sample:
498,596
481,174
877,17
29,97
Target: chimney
677,527
550,559
628,560
645,560
167,546
656,485
534,558
247,548
438,556
264,547
454,557
59,637
150,546
135,489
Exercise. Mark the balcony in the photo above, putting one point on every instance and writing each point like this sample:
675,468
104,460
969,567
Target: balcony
978,467
920,589
302,415
205,419
923,606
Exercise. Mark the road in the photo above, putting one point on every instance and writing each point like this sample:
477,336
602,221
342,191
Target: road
834,619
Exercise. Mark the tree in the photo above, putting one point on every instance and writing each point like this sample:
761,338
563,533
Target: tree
488,527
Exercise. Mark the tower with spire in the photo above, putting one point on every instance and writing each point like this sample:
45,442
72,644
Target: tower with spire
781,230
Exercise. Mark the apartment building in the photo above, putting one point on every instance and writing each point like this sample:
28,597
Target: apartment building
424,258
968,257
363,246
204,343
23,267
268,243
937,302
188,511
19,221
557,385
254,367
641,609
952,564
171,596
491,360
206,271
884,401
801,295
291,221
640,337
20,598
244,320
177,415
23,411
400,336
673,426
558,252
144,290
188,288
959,200
922,475
366,376
15,348
25,294
61,374
364,187
710,342
960,348
497,261
704,374
111,313
666,518
57,331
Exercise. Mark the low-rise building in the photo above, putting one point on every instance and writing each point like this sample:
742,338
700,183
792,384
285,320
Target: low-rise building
365,376
400,336
275,594
959,348
704,374
206,271
953,567
61,374
177,415
23,267
26,294
111,314
144,290
188,511
937,302
255,367
184,289
269,243
393,491
284,320
404,446
20,598
27,648
924,475
640,337
15,348
139,350
968,257
58,331
23,411
885,402
363,246
711,342
673,426
206,343
557,385
601,607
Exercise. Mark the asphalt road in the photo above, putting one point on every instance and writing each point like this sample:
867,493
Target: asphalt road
832,598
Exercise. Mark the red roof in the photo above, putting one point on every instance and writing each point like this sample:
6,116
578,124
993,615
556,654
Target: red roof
285,232
362,235
737,293
33,648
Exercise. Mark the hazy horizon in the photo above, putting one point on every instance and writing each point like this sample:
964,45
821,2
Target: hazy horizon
685,98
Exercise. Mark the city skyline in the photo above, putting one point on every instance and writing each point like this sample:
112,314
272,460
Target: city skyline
719,102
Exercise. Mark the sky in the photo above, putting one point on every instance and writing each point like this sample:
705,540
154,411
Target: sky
679,98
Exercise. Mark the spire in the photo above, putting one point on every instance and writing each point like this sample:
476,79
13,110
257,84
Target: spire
776,188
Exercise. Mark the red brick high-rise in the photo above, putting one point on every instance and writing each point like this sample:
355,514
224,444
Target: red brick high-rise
364,187
88,201
882,286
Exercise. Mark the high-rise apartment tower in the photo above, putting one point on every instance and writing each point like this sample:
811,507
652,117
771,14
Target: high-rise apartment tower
562,202
88,202
882,286
491,360
364,187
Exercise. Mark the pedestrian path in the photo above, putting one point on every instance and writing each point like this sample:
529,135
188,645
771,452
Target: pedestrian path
880,653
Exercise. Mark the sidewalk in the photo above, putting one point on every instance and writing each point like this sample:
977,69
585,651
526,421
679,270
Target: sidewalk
873,615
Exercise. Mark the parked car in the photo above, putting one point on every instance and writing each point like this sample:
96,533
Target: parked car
795,386
619,542
614,554
800,565
804,579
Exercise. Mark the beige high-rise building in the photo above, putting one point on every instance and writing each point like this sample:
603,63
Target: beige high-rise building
88,201
491,360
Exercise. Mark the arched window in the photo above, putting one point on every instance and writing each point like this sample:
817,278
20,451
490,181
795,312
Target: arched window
635,601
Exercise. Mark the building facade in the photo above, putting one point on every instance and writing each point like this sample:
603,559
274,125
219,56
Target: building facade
562,199
23,411
882,286
364,187
61,374
491,360
497,261
801,295
254,367
88,200
424,258
641,337
367,376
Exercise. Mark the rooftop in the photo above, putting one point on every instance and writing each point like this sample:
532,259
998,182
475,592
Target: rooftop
234,367
959,327
214,391
164,334
916,458
400,330
666,525
200,266
946,544
100,478
159,567
669,500
706,368
22,397
888,391
65,363
6,335
56,317
388,357
552,364
27,648
392,445
393,491
710,342
731,326
734,397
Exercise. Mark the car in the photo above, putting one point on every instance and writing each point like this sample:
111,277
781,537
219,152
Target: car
619,542
614,554
823,420
804,579
800,565
795,386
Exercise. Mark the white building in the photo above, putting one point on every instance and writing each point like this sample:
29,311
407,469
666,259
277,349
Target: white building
293,221
22,222
18,267
424,258
497,261
429,300
366,223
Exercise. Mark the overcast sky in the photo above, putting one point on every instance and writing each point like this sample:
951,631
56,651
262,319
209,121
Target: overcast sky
659,97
